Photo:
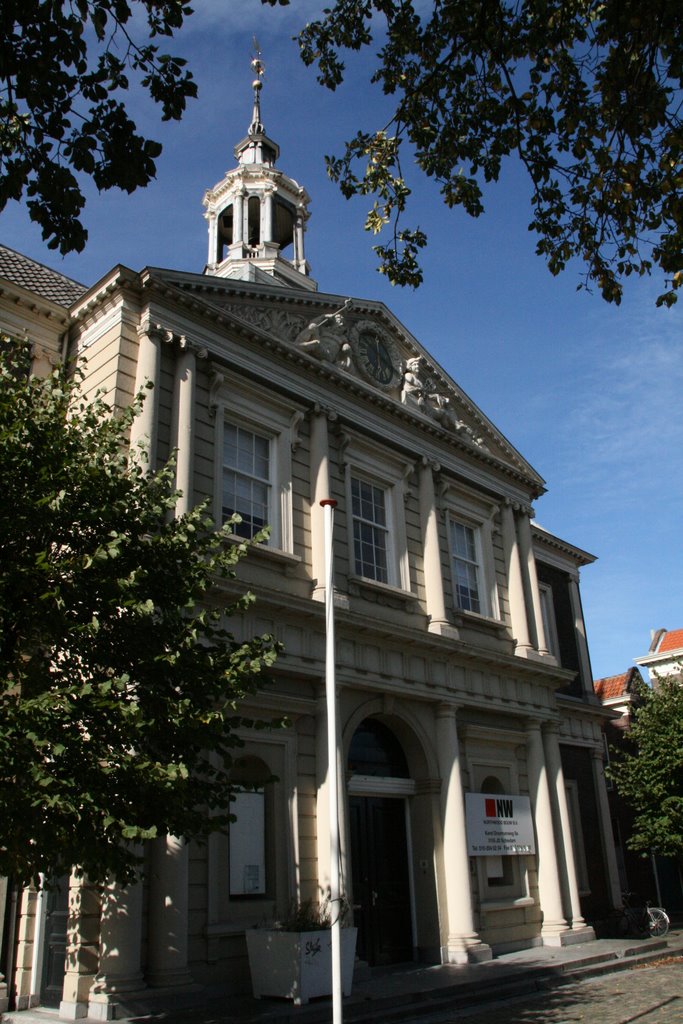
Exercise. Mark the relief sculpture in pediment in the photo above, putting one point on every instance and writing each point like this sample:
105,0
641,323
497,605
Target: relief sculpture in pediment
326,337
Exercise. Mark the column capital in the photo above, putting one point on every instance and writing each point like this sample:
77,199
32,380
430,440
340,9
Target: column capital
447,709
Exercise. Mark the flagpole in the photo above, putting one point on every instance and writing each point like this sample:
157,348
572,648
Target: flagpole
329,506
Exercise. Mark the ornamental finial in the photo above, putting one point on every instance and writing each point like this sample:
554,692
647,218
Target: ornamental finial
259,68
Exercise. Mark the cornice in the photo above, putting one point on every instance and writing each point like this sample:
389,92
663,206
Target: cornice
578,555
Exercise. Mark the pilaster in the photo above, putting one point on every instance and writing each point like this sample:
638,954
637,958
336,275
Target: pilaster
82,948
516,597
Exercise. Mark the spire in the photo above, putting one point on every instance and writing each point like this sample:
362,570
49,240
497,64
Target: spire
257,214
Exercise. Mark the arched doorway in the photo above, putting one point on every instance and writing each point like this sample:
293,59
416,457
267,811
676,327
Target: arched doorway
380,853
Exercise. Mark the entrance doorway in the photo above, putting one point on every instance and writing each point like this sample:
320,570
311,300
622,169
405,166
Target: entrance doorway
380,863
54,943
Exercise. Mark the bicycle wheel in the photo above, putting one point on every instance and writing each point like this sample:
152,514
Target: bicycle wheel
658,921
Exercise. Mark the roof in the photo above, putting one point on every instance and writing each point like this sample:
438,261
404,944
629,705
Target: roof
617,686
36,278
672,640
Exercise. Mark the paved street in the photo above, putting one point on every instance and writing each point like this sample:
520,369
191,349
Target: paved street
648,995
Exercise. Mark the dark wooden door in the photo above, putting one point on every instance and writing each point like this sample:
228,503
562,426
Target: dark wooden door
54,943
381,888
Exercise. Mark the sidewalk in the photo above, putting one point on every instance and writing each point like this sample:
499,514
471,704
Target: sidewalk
392,994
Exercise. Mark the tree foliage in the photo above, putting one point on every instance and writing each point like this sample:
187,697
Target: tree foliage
65,69
649,772
119,682
585,93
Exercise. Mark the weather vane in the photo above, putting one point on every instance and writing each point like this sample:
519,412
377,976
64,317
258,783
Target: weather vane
257,65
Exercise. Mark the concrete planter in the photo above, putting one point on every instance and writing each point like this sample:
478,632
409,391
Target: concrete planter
298,965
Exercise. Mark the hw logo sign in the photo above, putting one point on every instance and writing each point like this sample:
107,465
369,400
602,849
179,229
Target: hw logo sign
498,808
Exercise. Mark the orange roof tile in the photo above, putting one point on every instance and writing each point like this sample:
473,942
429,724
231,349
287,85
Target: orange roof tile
617,686
610,686
671,641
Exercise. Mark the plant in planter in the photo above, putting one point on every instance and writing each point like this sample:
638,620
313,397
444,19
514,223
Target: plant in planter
293,959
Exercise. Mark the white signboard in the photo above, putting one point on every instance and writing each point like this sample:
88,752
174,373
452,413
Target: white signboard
248,845
499,824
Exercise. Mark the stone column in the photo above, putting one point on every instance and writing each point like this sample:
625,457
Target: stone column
120,949
606,833
463,944
516,598
580,633
563,834
433,579
82,948
144,427
320,489
528,560
554,928
183,425
168,913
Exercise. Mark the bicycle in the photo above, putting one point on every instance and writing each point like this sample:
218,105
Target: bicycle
644,920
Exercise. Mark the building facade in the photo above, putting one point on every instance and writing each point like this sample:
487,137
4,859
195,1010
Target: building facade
463,676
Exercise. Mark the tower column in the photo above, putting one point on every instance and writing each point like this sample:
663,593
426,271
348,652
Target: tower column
268,206
238,218
299,239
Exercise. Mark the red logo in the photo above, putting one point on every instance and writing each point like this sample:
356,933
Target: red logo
490,808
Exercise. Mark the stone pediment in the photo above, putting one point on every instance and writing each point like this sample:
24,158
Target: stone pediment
362,340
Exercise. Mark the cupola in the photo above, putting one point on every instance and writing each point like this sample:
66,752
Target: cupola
257,214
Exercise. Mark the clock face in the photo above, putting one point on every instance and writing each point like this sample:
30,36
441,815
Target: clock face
375,357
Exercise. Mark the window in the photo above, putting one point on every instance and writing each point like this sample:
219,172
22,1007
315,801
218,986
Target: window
370,530
246,479
375,483
254,437
466,562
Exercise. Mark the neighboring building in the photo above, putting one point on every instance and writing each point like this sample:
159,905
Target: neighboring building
462,667
649,877
664,660
620,695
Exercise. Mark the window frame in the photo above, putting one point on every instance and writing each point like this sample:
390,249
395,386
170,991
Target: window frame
247,405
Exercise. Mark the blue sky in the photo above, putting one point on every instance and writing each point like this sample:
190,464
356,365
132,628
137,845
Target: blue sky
589,393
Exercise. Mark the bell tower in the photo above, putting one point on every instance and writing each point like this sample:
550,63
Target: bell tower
257,214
